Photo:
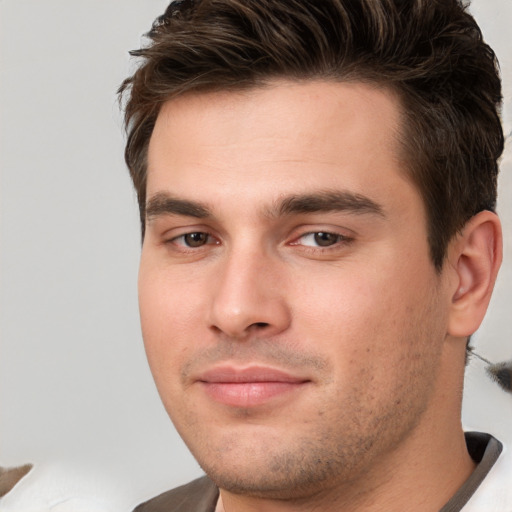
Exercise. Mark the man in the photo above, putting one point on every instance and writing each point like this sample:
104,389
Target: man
317,185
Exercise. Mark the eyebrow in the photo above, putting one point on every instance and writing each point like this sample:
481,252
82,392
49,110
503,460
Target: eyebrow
326,201
163,203
166,204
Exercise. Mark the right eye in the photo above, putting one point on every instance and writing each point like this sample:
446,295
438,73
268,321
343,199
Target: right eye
194,239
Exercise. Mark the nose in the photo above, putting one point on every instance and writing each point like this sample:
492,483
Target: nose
249,298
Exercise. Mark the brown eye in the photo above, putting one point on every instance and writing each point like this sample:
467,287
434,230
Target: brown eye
195,239
325,239
320,239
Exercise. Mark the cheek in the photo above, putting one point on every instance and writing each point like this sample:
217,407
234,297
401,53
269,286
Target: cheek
347,303
366,321
168,320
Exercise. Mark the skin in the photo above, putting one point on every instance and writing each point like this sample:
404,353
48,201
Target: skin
234,274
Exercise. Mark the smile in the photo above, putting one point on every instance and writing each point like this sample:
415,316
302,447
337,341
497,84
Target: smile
248,387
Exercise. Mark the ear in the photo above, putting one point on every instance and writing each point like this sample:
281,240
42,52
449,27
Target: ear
475,256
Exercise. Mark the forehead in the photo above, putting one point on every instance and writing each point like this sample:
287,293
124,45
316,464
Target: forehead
284,136
316,108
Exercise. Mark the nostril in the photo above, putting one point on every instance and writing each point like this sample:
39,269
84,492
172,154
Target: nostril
261,324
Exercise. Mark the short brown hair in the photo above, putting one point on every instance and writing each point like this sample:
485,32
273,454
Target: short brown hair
430,52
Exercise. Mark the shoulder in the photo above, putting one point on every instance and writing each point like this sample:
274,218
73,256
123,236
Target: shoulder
59,488
494,494
199,495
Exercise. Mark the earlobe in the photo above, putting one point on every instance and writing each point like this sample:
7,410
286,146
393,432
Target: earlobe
476,256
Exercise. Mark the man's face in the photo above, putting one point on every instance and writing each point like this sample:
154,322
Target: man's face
291,315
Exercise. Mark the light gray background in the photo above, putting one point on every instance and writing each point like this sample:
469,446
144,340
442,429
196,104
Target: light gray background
74,383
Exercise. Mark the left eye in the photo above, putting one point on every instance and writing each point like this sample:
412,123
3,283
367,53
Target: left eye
320,239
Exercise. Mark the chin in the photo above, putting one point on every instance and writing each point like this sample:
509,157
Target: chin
269,469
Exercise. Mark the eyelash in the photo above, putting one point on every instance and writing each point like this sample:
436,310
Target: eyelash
184,245
339,239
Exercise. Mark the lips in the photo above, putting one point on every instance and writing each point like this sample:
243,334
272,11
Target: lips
249,387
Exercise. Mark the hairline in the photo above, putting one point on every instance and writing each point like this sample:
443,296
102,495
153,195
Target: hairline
406,169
